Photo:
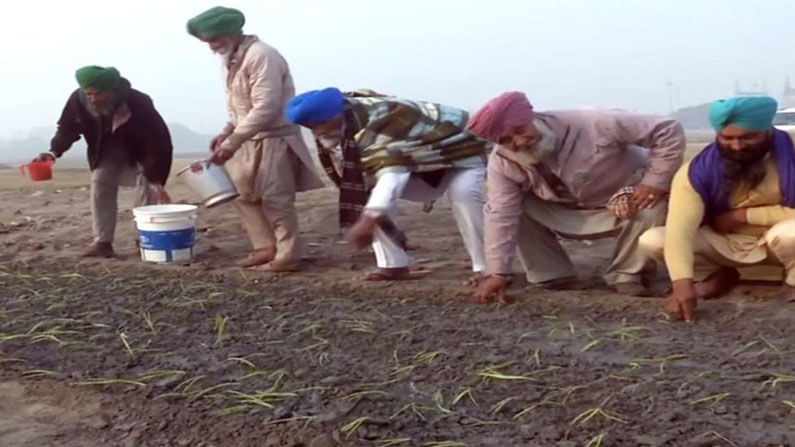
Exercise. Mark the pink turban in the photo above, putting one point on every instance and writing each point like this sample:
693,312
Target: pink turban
500,114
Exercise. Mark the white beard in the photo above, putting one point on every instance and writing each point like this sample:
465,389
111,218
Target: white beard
543,149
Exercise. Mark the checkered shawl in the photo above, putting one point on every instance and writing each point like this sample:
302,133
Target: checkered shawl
386,133
401,135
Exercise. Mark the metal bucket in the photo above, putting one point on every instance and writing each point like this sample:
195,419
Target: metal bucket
210,181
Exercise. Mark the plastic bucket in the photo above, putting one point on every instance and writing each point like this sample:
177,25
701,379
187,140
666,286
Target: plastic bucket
38,170
167,233
210,181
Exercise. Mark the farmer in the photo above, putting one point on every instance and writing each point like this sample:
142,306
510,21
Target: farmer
128,145
264,155
732,205
379,148
575,174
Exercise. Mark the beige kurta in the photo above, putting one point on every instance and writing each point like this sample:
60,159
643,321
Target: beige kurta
258,87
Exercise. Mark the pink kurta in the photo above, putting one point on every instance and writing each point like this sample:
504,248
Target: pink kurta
596,153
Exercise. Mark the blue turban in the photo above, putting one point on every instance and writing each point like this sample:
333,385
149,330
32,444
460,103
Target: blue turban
315,106
745,112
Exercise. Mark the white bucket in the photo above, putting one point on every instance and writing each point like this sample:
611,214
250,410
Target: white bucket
210,181
167,233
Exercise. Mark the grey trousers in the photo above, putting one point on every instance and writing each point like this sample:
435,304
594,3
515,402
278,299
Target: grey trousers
112,172
544,259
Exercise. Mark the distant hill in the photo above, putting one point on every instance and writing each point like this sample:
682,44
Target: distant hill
38,140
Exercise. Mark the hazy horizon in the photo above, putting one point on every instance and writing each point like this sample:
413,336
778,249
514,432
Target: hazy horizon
563,54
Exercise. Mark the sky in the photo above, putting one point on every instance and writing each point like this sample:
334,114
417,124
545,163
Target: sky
639,55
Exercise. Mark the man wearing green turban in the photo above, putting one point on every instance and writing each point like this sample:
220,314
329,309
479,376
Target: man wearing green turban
731,206
264,154
128,145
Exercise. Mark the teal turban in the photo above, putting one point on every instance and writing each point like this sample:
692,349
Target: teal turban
745,112
217,22
104,79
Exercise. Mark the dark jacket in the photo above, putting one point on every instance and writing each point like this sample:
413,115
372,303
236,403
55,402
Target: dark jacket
144,137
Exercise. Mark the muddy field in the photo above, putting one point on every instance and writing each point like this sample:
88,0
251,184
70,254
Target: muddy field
118,353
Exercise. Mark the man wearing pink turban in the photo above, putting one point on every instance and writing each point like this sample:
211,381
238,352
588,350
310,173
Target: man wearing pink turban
580,174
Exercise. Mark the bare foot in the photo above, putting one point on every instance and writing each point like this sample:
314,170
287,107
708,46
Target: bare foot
718,283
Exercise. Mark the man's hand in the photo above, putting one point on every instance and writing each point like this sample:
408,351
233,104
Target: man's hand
646,196
729,221
44,157
361,233
682,303
221,156
157,195
492,287
216,142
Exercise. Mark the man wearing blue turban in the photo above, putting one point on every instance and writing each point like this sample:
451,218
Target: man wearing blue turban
731,206
379,148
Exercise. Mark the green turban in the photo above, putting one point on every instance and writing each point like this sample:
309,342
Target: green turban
103,79
745,112
217,22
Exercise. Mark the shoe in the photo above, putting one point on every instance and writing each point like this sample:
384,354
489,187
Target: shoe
257,257
631,289
100,250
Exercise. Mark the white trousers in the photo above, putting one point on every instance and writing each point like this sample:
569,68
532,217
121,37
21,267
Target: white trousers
465,190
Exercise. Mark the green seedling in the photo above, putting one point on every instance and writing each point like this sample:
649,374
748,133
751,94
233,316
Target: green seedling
629,333
713,399
358,326
105,381
242,360
465,392
770,345
777,379
148,322
745,347
499,405
591,413
596,441
392,442
126,343
360,394
444,444
661,361
438,401
592,344
220,328
34,373
789,403
492,372
351,427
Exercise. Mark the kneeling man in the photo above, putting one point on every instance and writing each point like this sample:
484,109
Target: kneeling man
732,205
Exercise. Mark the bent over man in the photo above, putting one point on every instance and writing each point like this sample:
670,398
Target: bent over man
128,145
575,174
380,148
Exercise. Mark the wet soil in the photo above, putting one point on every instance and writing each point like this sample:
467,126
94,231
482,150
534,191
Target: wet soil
107,353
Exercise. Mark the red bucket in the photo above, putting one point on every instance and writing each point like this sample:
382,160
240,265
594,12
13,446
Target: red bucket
38,170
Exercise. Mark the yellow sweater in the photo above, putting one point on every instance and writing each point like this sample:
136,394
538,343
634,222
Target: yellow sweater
686,212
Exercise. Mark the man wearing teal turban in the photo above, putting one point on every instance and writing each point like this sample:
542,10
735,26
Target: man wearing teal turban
731,206
128,145
263,153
